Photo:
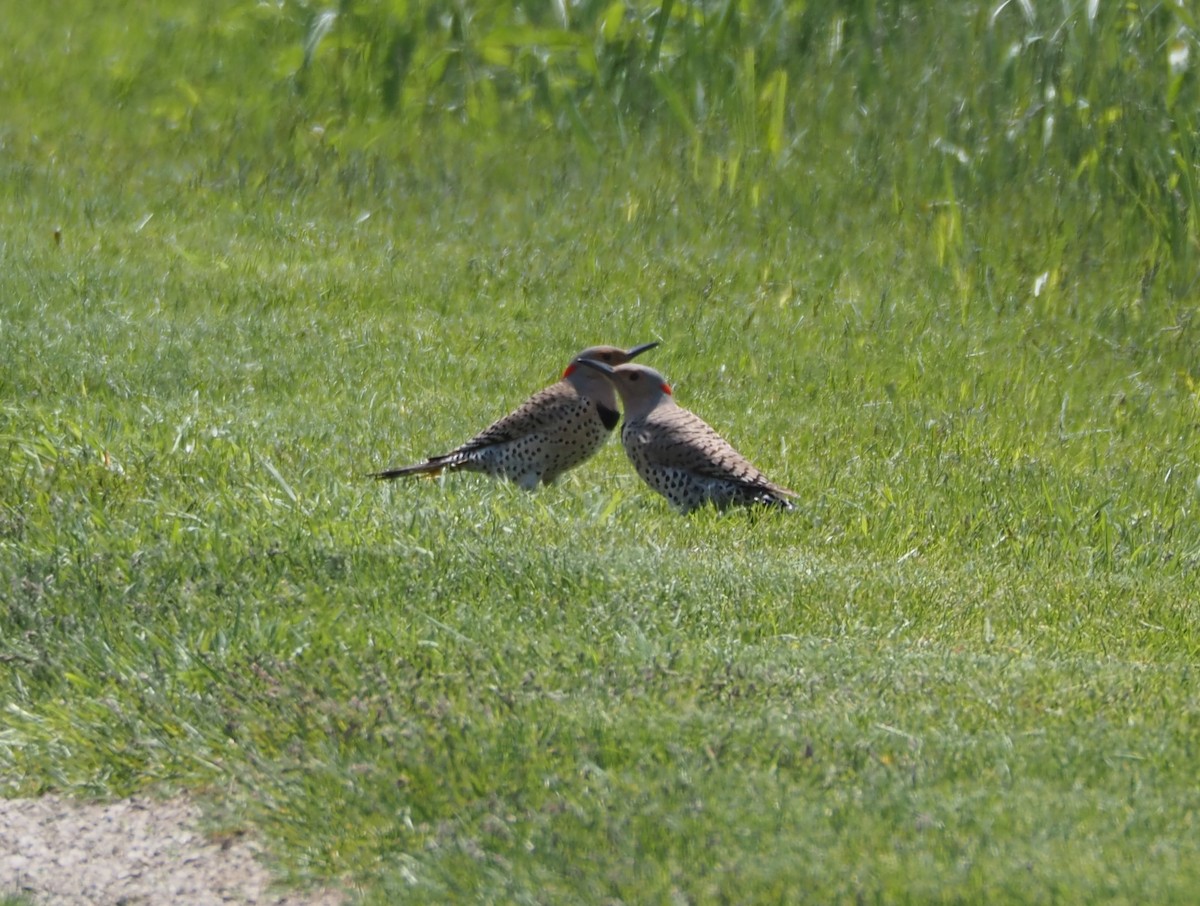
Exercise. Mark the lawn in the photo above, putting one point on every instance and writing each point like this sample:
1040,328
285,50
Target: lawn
250,253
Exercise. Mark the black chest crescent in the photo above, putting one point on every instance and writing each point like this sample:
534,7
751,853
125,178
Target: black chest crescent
608,417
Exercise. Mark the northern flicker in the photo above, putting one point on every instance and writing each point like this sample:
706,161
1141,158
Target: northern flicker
677,453
554,430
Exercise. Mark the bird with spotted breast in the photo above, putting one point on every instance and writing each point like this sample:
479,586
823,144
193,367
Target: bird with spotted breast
554,430
677,453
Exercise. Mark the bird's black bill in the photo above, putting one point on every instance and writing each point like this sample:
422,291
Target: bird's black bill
638,350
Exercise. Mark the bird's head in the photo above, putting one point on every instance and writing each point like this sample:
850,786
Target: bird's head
587,380
641,388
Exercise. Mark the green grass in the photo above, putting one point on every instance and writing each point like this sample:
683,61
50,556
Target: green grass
964,671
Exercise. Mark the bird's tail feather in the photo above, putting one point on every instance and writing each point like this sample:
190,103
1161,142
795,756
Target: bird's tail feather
430,468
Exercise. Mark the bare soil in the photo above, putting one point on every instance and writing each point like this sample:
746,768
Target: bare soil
134,852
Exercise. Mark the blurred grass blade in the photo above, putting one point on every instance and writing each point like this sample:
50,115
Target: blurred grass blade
279,479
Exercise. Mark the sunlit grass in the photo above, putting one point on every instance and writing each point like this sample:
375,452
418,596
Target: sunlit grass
962,671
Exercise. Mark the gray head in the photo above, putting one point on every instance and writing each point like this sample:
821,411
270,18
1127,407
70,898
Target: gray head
591,384
641,387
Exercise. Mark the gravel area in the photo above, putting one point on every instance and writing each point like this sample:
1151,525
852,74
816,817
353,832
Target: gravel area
134,852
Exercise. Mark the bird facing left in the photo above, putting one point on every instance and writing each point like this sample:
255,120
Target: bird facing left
677,453
556,429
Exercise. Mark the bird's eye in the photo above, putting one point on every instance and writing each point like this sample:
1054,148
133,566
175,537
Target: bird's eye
607,356
634,376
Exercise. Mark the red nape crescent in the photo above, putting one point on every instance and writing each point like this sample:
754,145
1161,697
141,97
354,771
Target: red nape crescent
666,388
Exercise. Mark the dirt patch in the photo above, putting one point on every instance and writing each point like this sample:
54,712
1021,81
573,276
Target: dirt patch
135,852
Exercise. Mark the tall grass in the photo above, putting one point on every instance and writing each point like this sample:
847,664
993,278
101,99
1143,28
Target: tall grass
961,120
975,110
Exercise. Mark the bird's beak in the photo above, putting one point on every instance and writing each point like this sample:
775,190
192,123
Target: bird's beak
598,366
638,350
